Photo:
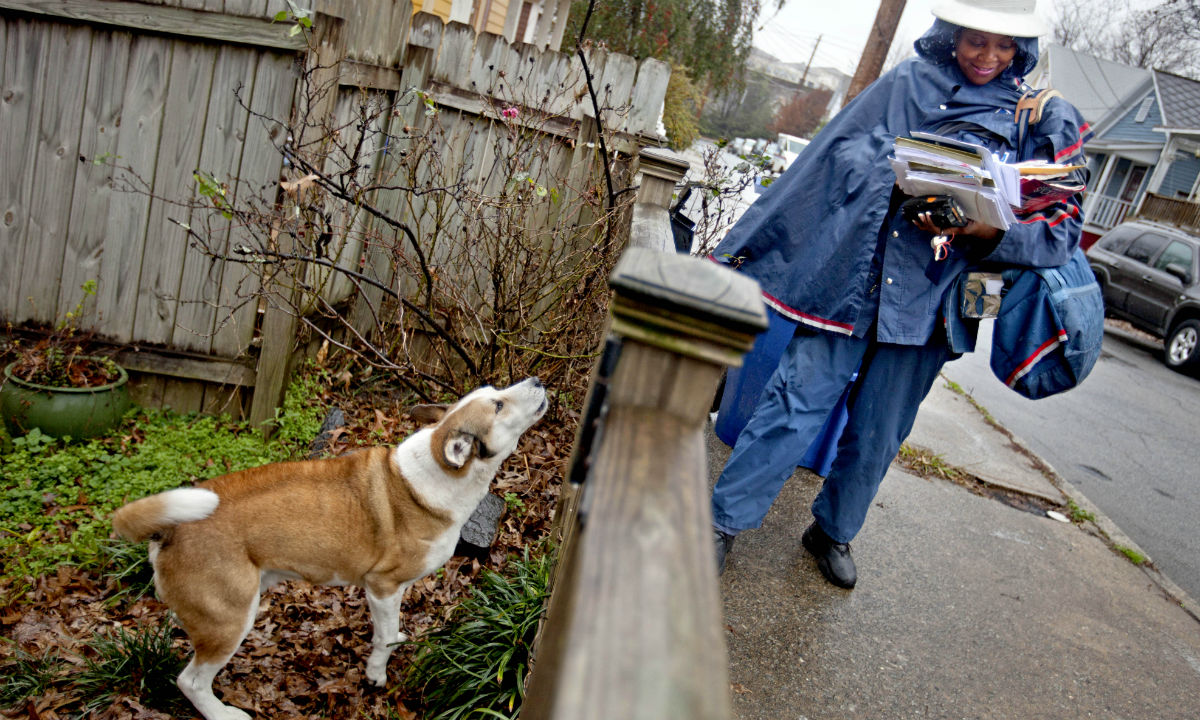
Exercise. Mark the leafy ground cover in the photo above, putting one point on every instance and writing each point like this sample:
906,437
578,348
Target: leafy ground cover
83,635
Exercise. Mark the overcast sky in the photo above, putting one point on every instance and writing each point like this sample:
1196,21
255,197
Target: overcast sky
791,33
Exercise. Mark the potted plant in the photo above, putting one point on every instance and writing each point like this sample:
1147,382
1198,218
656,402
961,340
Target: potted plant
55,385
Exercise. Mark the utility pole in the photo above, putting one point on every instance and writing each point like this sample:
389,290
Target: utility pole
811,55
878,43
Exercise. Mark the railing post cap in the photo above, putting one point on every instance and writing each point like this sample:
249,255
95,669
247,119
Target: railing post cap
691,286
663,163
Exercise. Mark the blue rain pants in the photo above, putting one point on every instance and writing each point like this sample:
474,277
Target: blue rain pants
815,370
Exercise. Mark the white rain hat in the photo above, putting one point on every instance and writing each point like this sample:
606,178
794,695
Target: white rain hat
1003,17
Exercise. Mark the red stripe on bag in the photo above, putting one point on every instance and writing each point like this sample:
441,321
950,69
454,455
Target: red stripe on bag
1042,351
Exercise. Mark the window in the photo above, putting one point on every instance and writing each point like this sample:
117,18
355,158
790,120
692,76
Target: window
1146,247
1179,253
1117,239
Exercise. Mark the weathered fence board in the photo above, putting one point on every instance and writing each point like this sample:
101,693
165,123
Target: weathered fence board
653,76
220,157
163,19
92,195
137,147
56,147
615,88
261,166
20,107
188,85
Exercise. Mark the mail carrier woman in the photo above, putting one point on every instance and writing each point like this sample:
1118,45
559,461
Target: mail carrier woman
833,254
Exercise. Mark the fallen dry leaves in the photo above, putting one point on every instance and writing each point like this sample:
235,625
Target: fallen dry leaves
305,655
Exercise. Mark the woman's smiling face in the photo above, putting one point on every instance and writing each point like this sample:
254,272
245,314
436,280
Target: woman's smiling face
982,56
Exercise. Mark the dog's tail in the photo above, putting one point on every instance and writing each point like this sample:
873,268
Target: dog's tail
153,515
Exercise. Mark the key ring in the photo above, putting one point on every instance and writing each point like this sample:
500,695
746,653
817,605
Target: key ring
941,246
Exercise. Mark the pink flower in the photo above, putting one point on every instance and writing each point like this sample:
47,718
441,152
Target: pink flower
510,112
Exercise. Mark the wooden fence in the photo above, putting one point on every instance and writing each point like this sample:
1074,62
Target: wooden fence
152,86
634,628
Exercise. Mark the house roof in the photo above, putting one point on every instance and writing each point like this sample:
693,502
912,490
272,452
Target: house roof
1094,86
1179,98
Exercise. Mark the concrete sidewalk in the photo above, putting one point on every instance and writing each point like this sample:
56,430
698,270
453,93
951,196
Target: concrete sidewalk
966,607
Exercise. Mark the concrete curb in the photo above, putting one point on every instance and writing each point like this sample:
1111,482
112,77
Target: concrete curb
1105,527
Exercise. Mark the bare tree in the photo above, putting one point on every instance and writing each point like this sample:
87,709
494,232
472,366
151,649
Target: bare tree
1164,37
1186,13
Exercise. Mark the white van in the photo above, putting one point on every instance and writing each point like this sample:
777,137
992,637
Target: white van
789,147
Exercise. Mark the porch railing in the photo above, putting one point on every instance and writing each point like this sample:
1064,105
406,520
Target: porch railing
1107,212
1171,211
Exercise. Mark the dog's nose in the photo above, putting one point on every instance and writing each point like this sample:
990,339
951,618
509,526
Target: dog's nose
537,382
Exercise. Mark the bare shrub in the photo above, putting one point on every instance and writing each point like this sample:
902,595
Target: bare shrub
450,246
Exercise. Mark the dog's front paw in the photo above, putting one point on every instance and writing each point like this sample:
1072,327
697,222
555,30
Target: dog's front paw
377,674
377,666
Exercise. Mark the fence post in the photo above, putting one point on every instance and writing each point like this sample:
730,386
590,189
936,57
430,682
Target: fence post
634,628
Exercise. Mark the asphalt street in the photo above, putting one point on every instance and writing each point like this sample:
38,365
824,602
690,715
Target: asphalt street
1126,438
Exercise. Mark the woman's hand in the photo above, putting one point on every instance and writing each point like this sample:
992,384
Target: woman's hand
979,240
973,228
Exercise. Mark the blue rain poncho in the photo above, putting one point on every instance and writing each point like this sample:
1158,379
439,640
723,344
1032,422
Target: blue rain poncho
821,241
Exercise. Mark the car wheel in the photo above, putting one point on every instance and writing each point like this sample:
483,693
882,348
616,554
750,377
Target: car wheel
1183,345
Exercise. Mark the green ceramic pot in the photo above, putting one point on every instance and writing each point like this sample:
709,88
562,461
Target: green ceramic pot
61,412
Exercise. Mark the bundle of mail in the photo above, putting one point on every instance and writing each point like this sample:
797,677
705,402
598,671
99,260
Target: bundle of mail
989,190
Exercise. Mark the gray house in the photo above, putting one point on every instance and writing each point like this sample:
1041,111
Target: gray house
1147,133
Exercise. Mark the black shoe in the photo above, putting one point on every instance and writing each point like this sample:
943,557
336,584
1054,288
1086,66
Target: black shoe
833,558
724,541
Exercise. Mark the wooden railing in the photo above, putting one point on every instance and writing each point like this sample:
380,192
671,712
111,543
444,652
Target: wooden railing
1171,211
634,626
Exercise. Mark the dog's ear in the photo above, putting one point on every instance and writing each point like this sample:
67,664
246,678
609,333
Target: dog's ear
428,414
464,434
459,449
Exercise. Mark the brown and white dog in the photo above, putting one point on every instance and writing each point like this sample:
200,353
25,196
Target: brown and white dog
380,518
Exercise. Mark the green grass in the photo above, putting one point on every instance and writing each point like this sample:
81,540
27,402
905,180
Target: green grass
142,662
927,464
129,564
1134,556
56,497
476,664
25,675
954,387
1078,514
959,390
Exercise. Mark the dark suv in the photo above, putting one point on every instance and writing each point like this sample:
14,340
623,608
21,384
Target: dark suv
1149,275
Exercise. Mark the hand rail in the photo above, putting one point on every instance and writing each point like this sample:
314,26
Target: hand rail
634,628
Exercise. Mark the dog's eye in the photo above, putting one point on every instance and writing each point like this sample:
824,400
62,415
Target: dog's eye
499,405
